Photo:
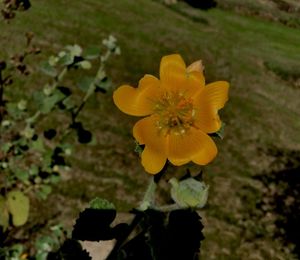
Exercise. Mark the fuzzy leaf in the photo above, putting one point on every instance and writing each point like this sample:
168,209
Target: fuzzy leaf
85,83
48,69
44,191
50,101
18,205
91,53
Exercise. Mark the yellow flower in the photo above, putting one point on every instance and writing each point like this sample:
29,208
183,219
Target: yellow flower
180,111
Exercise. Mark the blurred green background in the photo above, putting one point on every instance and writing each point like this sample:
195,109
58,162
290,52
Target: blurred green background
255,45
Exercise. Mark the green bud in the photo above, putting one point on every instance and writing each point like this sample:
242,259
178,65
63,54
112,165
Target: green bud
189,193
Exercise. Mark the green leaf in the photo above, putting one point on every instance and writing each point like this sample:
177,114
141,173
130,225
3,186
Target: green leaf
66,59
91,53
85,83
13,110
6,146
18,205
21,175
99,203
50,101
15,251
44,191
69,103
52,60
38,145
54,179
48,69
34,170
4,215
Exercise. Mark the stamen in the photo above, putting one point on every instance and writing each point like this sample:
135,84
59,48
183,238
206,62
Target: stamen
175,113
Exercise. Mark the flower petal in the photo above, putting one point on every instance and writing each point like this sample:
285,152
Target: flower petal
208,153
137,101
195,82
194,145
207,103
154,155
176,77
172,72
152,161
196,66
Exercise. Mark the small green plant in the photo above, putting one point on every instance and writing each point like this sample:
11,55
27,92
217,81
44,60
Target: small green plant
37,131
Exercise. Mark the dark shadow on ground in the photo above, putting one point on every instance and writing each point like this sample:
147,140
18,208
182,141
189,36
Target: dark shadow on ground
282,195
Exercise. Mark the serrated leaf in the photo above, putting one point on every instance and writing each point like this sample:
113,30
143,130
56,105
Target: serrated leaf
48,69
18,205
85,83
94,225
4,215
99,203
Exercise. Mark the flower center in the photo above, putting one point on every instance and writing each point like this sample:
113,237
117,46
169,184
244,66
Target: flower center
175,113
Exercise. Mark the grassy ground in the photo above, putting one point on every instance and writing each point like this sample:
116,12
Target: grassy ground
259,58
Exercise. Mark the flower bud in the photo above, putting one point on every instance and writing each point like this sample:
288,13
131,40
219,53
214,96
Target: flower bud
189,193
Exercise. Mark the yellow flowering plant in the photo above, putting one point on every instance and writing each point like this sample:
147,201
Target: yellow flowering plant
180,112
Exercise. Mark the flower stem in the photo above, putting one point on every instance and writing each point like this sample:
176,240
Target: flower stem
148,200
